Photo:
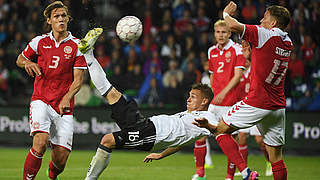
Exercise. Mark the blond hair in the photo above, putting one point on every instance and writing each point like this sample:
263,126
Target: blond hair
221,23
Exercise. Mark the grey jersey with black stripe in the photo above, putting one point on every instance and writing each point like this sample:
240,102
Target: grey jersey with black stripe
178,130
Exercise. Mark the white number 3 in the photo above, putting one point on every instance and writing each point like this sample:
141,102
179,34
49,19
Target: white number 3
55,61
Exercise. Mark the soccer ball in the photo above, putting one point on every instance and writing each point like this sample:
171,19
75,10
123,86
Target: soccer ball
129,28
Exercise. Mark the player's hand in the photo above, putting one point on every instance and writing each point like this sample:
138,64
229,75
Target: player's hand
152,156
218,98
32,68
246,50
64,106
201,122
230,8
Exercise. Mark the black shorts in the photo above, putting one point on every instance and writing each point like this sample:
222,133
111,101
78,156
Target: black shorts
137,132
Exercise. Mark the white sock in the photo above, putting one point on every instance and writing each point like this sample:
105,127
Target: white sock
97,74
208,155
98,163
244,173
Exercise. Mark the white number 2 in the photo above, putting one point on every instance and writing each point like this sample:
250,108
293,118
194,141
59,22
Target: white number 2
220,70
275,70
55,61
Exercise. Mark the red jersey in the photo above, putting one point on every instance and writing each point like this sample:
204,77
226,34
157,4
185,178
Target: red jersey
269,64
56,61
222,63
244,85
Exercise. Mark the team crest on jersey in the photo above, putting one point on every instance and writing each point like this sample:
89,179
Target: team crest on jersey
67,49
227,56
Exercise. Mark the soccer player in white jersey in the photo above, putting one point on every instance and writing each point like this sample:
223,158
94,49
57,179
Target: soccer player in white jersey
265,103
226,64
169,132
58,76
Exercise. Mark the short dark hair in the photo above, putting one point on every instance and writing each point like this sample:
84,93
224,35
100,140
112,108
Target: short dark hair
281,14
205,90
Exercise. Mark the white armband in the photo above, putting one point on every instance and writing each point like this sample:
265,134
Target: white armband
225,15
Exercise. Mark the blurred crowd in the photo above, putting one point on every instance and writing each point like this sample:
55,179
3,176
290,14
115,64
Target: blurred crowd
158,69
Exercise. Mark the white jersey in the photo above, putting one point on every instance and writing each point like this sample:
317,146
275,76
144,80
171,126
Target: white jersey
177,129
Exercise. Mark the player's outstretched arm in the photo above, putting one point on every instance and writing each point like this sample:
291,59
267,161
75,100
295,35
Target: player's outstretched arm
165,153
234,25
203,123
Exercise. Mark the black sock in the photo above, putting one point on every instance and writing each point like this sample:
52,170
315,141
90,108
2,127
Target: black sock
105,148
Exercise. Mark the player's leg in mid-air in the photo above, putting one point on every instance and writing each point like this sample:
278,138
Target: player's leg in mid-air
126,114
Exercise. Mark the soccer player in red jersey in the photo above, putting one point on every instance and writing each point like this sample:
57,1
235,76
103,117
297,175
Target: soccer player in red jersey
243,90
265,103
58,76
226,64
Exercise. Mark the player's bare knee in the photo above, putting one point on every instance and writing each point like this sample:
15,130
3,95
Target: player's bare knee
242,138
40,142
108,141
222,128
259,140
113,96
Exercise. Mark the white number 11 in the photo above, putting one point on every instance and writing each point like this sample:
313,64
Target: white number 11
275,70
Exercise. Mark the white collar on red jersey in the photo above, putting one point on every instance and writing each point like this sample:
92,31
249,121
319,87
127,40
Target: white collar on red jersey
281,33
64,40
227,46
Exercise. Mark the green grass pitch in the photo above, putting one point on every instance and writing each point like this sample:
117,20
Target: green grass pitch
128,165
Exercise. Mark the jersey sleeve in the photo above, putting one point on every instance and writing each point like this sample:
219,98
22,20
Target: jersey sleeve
211,68
31,51
240,62
256,35
250,34
80,62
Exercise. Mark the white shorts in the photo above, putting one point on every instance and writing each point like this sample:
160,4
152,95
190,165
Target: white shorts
252,131
219,111
271,123
43,118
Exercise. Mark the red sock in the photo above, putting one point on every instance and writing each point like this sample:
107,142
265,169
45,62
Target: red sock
230,170
244,152
231,150
199,152
32,165
53,171
279,170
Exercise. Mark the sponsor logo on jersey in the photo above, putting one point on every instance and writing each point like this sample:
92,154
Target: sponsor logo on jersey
67,49
46,47
214,55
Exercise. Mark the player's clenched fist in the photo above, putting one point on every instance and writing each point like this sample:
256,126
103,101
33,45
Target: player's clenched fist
230,8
